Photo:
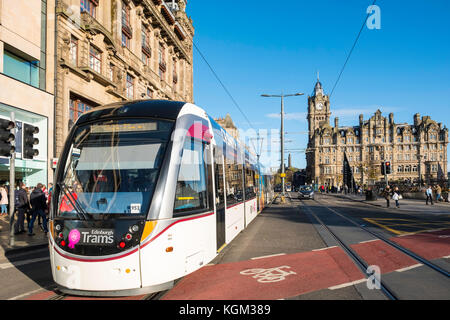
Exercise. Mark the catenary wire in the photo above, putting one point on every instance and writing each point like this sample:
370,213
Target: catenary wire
223,85
351,50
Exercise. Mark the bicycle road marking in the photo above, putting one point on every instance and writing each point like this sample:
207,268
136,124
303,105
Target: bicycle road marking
268,275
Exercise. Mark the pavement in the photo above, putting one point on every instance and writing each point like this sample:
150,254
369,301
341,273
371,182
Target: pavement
22,242
409,205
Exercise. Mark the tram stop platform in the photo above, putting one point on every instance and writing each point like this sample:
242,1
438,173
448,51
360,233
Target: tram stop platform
22,242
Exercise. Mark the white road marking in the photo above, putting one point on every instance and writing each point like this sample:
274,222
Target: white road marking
373,240
347,284
269,256
8,265
409,268
326,248
26,294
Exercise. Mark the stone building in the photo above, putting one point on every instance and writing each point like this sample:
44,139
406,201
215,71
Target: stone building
417,152
27,83
116,50
228,125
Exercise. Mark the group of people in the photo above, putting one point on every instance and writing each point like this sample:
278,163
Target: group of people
387,193
28,203
396,196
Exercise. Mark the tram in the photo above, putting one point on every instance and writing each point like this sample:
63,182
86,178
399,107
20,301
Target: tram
146,192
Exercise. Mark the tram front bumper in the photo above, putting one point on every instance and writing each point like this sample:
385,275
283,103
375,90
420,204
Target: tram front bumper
108,274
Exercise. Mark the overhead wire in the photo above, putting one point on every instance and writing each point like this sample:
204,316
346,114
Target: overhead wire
351,51
223,85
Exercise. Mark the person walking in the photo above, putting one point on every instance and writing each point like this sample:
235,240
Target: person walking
387,195
38,207
438,193
429,194
22,205
396,197
4,201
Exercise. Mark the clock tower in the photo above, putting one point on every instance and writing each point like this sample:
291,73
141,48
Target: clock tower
318,109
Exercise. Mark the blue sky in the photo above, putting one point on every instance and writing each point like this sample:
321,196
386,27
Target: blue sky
270,47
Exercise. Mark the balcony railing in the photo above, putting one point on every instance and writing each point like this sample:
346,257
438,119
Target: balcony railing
162,66
146,49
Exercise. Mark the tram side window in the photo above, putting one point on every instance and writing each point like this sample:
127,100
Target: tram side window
250,186
192,186
233,173
218,171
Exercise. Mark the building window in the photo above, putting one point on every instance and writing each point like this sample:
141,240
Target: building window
175,75
162,62
77,108
21,69
130,86
149,93
127,31
89,6
95,60
146,51
73,51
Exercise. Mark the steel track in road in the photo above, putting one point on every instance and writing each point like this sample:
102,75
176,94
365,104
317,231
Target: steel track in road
393,244
359,261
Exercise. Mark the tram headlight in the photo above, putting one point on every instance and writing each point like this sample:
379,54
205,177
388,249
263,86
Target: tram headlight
134,228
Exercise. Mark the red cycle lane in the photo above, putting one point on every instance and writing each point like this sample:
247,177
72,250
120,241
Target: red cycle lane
304,272
277,278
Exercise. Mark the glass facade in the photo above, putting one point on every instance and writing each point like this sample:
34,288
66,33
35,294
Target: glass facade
29,171
20,69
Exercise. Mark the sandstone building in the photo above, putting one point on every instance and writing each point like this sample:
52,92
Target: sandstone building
116,50
417,152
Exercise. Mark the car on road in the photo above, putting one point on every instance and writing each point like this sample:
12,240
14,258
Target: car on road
306,192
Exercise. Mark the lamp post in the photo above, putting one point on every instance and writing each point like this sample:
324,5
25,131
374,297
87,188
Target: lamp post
282,128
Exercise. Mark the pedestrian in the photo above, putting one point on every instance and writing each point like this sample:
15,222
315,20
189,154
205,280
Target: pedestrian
22,206
4,201
387,195
438,193
429,194
38,207
396,197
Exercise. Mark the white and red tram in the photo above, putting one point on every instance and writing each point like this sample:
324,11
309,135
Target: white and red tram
147,192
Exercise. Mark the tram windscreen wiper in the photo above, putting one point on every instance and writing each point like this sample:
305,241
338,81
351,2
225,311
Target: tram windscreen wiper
73,201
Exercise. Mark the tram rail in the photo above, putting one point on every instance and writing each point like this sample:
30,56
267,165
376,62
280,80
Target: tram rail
360,262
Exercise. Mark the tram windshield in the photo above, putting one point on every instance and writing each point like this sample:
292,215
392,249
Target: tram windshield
112,168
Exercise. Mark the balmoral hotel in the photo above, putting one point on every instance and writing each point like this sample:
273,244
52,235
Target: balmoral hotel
417,152
116,50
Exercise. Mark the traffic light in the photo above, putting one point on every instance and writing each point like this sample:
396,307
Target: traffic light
6,137
388,167
29,141
383,167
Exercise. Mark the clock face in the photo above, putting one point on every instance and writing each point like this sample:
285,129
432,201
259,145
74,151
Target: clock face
319,106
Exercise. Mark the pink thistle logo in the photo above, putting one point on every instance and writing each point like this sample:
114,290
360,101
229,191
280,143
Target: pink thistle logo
74,238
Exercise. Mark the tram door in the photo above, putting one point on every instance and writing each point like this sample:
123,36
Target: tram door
220,197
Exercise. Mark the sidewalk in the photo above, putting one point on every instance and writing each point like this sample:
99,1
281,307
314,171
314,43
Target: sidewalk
22,241
410,205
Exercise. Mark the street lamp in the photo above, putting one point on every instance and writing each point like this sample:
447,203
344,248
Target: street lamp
282,128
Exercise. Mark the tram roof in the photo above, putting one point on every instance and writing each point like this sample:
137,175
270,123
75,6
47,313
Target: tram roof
163,109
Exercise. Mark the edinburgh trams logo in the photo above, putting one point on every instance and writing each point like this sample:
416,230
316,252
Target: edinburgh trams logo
91,237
